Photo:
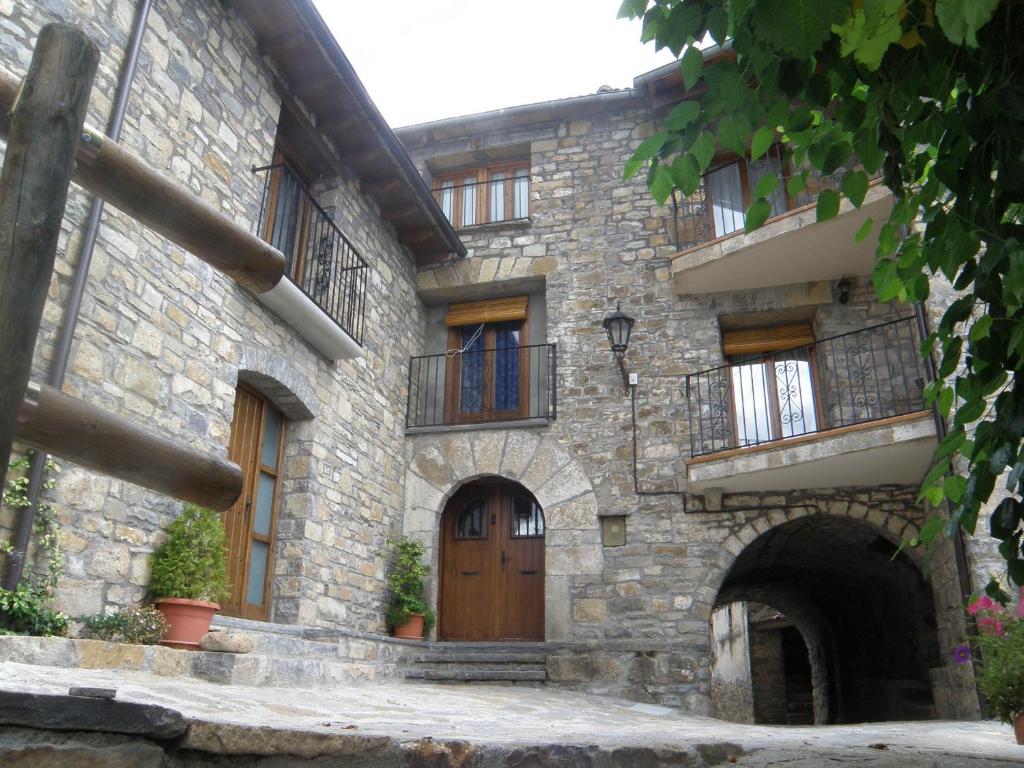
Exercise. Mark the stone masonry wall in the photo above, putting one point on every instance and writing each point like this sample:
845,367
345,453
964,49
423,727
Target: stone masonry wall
597,240
164,339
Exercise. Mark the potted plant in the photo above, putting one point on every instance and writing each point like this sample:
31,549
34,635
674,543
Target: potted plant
190,575
1000,668
408,615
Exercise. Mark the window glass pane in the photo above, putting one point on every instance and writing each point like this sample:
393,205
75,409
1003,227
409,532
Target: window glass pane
285,229
726,192
271,436
469,201
522,194
765,166
471,391
796,395
447,198
527,517
257,572
506,366
750,392
472,522
497,197
264,504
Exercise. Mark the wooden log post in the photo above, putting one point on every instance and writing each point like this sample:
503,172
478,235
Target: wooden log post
95,439
109,170
45,128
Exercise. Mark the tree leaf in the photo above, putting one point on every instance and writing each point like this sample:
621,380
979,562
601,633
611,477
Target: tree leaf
686,174
692,65
704,149
855,187
757,215
763,139
863,230
631,9
731,136
981,328
648,148
684,113
828,204
797,27
661,184
768,184
960,20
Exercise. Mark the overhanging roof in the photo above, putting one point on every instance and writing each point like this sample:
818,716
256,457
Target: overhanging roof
316,71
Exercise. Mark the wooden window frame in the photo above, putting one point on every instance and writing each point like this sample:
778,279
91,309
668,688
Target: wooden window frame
485,531
725,160
483,177
453,377
303,216
771,346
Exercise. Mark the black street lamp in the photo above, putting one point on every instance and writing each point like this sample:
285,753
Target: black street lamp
618,325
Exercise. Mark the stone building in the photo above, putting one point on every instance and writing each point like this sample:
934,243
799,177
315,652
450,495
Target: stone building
720,535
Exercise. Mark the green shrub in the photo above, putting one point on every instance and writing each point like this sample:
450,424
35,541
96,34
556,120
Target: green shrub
26,613
405,584
1000,670
192,563
139,624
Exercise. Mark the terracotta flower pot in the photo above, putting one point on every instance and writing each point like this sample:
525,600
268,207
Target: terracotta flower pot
412,629
187,621
1018,727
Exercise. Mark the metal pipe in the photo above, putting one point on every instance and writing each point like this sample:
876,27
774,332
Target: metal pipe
62,353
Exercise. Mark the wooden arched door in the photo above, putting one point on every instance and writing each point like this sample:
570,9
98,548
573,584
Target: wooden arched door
492,564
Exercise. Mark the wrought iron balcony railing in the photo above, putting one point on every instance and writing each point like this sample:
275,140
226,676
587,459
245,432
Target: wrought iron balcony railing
484,385
320,259
493,201
718,206
853,378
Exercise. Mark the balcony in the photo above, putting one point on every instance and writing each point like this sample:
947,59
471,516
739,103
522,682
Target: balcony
465,390
846,411
715,254
324,294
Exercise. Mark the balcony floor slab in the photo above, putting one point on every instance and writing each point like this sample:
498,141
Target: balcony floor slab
792,248
894,451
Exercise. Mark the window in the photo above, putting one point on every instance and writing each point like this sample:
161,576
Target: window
257,445
772,383
527,517
487,373
287,212
484,195
730,189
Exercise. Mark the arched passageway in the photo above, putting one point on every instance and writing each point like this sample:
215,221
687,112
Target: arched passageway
492,563
865,616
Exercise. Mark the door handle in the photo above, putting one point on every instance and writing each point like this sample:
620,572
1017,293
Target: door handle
528,573
471,573
504,559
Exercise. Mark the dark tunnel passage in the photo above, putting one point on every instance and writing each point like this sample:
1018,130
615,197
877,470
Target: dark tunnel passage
866,619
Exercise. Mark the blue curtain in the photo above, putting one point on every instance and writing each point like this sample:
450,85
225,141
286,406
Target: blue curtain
506,367
471,391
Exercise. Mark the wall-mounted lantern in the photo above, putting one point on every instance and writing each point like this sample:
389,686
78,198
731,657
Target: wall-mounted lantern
618,325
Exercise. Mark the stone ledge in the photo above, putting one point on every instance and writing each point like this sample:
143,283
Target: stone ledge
539,422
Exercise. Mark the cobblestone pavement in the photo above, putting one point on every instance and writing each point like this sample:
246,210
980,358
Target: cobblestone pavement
476,726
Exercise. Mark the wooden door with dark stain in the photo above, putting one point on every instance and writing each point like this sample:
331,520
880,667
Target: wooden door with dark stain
492,565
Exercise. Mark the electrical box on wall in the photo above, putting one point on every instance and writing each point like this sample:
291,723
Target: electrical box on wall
613,531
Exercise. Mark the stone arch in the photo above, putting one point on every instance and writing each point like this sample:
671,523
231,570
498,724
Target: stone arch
440,464
280,381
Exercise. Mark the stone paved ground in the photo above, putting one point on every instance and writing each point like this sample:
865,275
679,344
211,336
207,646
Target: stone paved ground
411,725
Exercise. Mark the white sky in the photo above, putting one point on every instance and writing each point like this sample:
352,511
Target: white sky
424,60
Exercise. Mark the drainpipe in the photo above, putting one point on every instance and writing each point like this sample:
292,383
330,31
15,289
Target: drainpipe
16,559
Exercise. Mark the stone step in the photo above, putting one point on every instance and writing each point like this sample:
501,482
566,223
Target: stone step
474,657
483,647
477,675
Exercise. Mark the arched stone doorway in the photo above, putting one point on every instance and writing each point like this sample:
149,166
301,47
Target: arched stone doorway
491,564
865,615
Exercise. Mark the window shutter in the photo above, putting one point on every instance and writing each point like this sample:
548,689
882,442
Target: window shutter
757,340
487,311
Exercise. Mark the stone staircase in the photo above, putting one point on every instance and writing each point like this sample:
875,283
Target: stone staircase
455,662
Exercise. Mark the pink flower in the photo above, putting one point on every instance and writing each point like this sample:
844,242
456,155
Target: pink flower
1020,607
983,603
990,625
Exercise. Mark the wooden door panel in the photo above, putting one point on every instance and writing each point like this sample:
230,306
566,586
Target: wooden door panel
492,588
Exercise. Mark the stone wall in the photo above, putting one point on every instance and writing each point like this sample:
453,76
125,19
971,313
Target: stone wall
164,339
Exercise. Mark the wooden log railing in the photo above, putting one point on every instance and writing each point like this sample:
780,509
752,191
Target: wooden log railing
109,170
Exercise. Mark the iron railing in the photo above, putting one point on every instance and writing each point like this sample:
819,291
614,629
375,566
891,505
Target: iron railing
478,386
485,202
320,259
853,378
718,206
